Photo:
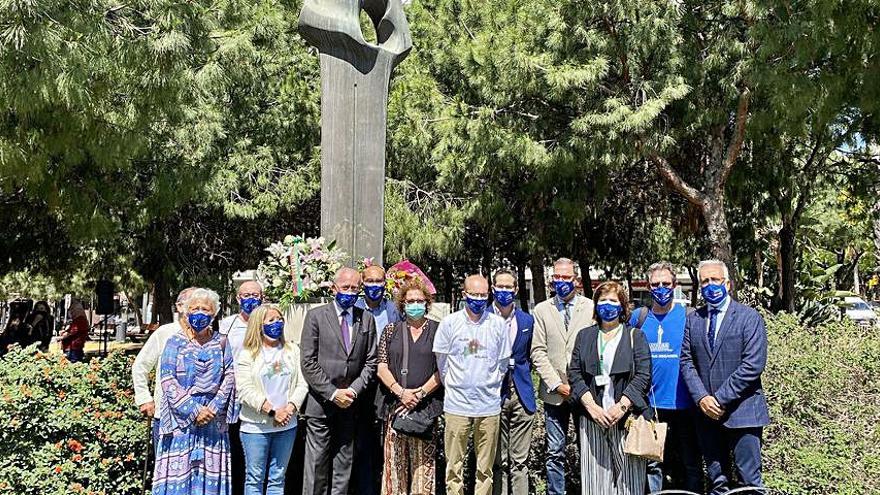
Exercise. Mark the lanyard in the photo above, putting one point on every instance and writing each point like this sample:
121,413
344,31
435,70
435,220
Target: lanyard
603,344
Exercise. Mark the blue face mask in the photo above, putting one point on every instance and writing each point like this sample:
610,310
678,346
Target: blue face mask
274,330
415,310
477,306
714,294
662,295
199,321
345,301
608,311
503,297
563,288
249,304
374,292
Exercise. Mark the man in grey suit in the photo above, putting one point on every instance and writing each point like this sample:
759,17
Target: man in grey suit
723,355
339,362
557,323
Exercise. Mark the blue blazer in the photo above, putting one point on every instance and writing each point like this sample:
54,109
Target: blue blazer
732,373
522,369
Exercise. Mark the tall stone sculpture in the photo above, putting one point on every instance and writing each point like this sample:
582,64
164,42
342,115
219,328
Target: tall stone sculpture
355,76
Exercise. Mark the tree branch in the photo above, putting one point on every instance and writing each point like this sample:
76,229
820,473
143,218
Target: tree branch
739,133
675,181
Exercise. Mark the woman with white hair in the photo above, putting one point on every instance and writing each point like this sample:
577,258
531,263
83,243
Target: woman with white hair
198,386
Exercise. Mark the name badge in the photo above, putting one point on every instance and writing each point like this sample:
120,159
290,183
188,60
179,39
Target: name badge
602,380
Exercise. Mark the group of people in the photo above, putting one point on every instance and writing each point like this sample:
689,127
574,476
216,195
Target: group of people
25,328
373,378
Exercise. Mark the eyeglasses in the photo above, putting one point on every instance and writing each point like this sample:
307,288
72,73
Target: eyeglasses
562,278
255,295
473,295
655,285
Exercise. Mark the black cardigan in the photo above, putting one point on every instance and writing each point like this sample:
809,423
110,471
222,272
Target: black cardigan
631,381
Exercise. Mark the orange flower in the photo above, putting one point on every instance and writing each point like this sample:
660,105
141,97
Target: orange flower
57,469
62,394
77,457
74,445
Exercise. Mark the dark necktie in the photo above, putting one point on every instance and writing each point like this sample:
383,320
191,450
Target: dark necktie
567,313
713,327
345,333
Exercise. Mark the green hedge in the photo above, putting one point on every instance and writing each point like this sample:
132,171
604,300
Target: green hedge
823,385
69,428
72,428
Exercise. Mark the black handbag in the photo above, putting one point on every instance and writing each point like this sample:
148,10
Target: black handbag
417,423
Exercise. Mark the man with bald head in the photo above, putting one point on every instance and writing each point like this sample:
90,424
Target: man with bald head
384,312
249,297
339,363
473,350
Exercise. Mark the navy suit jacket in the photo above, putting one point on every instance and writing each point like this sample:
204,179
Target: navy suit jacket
732,373
522,368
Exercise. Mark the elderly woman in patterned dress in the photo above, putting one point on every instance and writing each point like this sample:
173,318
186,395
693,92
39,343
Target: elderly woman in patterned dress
198,387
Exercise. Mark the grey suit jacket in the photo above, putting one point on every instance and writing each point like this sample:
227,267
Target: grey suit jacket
552,344
325,364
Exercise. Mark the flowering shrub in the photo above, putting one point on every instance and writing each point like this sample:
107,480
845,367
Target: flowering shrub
69,428
300,269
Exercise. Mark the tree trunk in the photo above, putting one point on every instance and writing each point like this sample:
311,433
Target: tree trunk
759,267
539,284
162,302
875,224
787,262
695,284
718,230
524,289
586,278
136,307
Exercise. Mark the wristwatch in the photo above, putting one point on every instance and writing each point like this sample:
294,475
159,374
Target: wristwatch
623,408
420,393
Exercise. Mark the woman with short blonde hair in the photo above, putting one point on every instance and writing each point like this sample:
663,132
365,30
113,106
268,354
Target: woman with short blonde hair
271,389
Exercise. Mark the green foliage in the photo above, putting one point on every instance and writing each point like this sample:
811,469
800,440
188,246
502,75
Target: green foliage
69,428
824,398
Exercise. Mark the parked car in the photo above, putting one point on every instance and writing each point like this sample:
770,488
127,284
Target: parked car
860,311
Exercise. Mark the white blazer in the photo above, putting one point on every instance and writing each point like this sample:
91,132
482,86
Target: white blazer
249,384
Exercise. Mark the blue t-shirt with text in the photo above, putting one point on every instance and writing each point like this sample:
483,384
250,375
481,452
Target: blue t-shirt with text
664,334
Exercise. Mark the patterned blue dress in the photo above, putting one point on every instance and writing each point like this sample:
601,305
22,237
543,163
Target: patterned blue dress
192,459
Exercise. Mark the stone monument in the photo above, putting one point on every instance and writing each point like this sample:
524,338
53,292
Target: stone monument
355,76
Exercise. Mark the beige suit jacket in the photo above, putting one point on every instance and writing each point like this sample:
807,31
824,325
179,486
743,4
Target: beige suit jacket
552,344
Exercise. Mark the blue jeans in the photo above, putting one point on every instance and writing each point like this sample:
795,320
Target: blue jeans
266,454
557,421
75,355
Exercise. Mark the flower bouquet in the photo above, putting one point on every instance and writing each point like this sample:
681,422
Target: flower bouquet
300,269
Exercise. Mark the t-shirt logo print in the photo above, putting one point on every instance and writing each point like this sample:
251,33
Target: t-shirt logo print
474,346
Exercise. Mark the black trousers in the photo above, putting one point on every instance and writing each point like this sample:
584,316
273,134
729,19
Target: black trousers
237,458
329,454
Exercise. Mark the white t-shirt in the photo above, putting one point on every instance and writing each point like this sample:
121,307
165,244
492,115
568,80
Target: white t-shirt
235,328
275,376
472,357
608,361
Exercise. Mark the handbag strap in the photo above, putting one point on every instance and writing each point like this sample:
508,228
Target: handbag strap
404,366
632,346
